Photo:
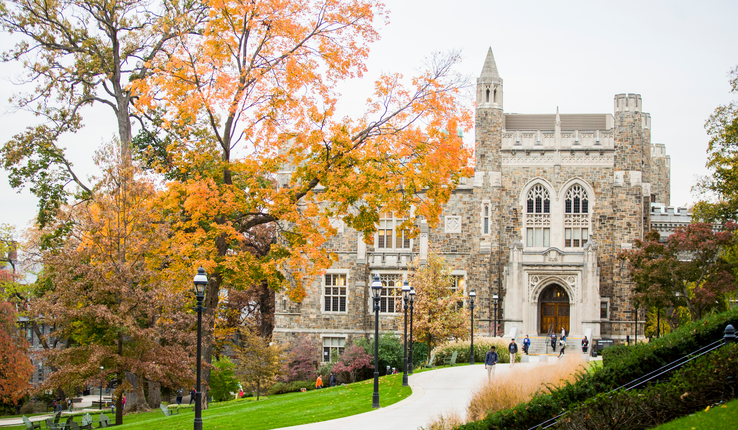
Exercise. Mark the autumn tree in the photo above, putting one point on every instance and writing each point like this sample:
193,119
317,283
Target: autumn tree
259,362
691,268
720,189
102,289
251,98
353,360
438,314
15,364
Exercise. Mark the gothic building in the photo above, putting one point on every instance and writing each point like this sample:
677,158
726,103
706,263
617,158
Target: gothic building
535,232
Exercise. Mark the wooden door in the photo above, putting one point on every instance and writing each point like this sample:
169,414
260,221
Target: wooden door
554,316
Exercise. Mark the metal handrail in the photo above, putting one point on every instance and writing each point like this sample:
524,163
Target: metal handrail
728,337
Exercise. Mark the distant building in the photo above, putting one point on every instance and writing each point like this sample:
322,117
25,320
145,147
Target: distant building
553,200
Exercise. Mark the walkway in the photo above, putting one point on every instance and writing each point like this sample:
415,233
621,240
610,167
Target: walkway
436,392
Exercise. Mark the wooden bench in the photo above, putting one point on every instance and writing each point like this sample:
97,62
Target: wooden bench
452,360
430,363
29,424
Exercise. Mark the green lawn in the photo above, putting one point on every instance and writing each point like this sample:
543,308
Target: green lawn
722,417
277,411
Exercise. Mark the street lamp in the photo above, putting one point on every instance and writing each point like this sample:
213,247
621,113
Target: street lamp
472,294
405,298
101,384
412,300
201,283
376,293
495,299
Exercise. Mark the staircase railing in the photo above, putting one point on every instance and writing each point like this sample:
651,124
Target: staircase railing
728,337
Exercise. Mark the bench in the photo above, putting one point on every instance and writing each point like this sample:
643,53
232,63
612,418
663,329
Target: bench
430,363
29,424
452,360
167,412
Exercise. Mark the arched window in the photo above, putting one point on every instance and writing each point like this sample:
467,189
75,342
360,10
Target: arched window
538,217
576,217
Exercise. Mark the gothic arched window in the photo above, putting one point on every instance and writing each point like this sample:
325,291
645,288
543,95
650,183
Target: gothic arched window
576,217
538,217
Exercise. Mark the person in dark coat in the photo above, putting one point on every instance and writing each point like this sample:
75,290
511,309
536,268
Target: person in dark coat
333,381
490,360
553,341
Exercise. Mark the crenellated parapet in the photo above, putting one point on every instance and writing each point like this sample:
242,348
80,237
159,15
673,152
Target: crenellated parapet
665,219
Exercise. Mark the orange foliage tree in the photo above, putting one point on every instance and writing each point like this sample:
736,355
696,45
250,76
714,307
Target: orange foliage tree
104,292
15,364
249,102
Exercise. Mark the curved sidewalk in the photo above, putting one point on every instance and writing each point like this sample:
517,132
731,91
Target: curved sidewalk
434,393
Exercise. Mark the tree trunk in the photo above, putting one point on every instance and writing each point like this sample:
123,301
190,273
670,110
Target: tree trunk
135,398
154,397
119,396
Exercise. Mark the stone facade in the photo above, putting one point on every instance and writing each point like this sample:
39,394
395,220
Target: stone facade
553,199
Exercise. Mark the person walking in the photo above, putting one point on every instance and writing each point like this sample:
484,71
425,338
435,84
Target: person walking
526,344
585,344
513,350
563,346
179,396
490,359
333,381
124,401
553,341
193,393
319,383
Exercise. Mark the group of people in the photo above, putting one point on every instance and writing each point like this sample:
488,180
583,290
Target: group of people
491,358
333,381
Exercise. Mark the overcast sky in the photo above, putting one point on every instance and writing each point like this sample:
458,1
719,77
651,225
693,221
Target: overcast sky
575,55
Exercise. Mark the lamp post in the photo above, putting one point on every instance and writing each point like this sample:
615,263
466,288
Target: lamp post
376,292
201,282
412,300
472,294
101,385
495,299
405,298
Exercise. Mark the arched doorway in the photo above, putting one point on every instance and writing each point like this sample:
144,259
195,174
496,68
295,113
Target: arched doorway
554,309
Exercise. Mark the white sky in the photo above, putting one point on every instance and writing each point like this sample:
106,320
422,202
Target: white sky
575,55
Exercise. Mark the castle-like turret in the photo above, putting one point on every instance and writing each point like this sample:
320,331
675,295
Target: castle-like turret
489,118
489,84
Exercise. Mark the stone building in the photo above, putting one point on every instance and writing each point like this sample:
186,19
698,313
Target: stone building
535,232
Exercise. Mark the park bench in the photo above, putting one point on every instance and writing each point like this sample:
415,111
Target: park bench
452,360
104,421
430,363
86,422
167,412
51,425
29,424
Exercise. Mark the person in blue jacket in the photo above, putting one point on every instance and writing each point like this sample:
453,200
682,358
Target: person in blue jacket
490,360
526,344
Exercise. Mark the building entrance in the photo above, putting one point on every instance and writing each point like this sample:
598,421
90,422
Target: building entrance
554,309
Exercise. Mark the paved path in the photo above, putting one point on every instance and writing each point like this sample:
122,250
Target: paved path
435,392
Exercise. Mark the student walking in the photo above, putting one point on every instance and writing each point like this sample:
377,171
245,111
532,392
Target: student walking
563,347
490,359
585,344
526,344
553,341
513,350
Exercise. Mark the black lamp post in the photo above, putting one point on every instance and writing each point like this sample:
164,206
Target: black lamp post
412,300
495,299
101,385
405,298
201,282
472,295
376,293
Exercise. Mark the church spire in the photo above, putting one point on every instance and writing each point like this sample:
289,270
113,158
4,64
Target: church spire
489,71
489,84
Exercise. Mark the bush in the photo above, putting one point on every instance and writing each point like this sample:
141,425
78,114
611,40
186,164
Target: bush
291,387
223,380
707,381
481,347
420,353
390,351
639,360
351,362
304,354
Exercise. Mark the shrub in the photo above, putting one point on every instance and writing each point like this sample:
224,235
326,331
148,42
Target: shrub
352,361
640,360
390,351
291,387
481,347
420,353
303,361
223,380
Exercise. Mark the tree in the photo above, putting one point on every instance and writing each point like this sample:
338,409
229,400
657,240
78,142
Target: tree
390,350
103,290
224,381
438,315
15,365
251,95
354,359
720,189
690,269
303,359
79,54
260,362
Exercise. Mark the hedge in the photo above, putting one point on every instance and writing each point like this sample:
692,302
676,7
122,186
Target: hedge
481,347
631,363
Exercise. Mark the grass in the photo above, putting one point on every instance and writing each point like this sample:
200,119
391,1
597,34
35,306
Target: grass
722,417
276,411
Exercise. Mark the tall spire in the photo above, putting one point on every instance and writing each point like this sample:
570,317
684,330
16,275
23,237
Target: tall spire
490,67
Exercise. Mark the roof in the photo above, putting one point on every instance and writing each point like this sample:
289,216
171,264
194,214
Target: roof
578,121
